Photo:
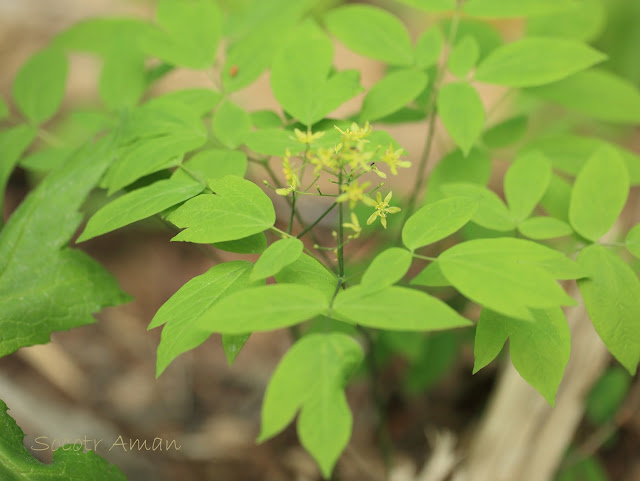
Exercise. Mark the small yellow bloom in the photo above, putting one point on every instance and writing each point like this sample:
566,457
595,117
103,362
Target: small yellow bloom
392,159
353,192
354,225
382,208
307,137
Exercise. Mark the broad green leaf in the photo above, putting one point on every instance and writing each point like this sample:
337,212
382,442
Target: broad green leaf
277,256
505,133
396,309
253,244
464,56
231,124
394,91
310,378
521,8
212,164
429,47
387,268
265,119
491,213
232,344
180,313
607,396
69,462
488,36
599,194
632,242
539,348
44,286
340,87
540,228
535,61
139,204
273,142
597,93
372,32
455,167
584,21
462,114
13,143
431,276
437,220
557,199
307,271
239,208
431,5
122,80
39,85
611,295
525,183
4,109
262,308
508,275
46,160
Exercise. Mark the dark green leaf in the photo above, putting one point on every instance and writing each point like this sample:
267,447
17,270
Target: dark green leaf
607,396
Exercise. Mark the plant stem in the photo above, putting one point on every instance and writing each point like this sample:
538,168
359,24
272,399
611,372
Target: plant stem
315,222
340,234
293,209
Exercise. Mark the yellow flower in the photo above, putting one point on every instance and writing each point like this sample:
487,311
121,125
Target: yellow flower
307,137
353,192
382,208
354,225
354,133
392,159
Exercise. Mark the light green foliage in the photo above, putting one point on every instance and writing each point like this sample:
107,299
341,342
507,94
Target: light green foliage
462,114
599,194
138,205
539,348
122,80
265,119
238,208
611,294
307,271
437,220
232,344
557,199
199,100
253,244
429,47
534,61
491,213
505,133
632,242
212,164
583,20
13,143
431,5
607,396
46,160
372,32
525,183
310,378
231,124
431,276
69,462
387,268
392,92
180,313
273,142
488,37
277,256
540,228
464,56
39,86
521,8
474,168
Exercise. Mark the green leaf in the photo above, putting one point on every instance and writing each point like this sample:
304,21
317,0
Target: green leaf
13,143
232,344
394,91
138,205
428,48
372,32
262,308
180,313
599,194
387,268
525,183
597,93
491,213
231,124
311,378
265,119
102,36
340,87
4,109
431,276
488,36
462,114
607,396
535,61
508,275
239,208
122,80
274,142
505,133
277,256
431,5
212,164
253,244
539,348
611,295
521,8
396,308
201,101
540,228
584,21
69,462
455,167
464,56
44,286
557,198
39,85
307,271
437,220
632,242
188,33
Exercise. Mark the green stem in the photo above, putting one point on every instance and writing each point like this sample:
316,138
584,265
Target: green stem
315,222
340,234
293,209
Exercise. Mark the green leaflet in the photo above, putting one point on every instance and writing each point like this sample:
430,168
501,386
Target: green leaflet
540,228
525,183
188,33
599,194
505,133
273,142
632,242
488,37
464,56
372,32
431,5
396,308
263,308
473,168
428,48
199,100
238,209
138,205
597,93
584,21
521,8
253,244
509,275
68,464
491,212
266,119
308,271
212,164
437,220
311,377
387,268
180,313
45,287
534,61
462,113
539,348
232,344
231,124
13,143
38,87
611,295
102,36
277,256
123,79
431,276
394,91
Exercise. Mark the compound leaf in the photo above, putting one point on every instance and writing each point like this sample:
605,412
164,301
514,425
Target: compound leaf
277,256
462,113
